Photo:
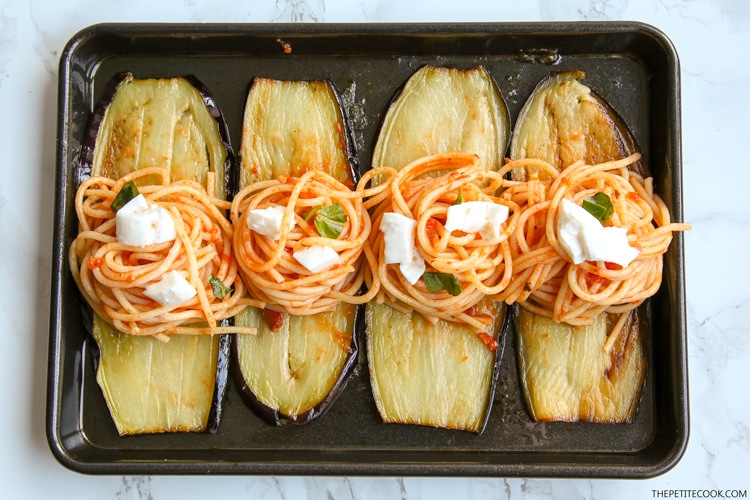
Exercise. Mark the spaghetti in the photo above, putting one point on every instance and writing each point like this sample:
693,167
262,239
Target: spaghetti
268,266
113,276
424,190
546,282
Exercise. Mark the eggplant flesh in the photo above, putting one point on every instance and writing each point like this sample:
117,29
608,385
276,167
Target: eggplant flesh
564,121
151,386
440,110
161,123
294,374
565,372
290,127
437,375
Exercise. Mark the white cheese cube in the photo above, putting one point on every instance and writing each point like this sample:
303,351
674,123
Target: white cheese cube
267,221
398,232
317,258
584,238
139,224
414,269
610,244
484,217
171,291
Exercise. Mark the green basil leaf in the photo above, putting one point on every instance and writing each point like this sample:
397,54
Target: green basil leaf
330,220
220,291
128,191
600,206
459,198
442,281
311,213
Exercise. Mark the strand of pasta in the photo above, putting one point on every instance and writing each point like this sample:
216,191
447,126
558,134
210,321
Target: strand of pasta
482,267
112,276
268,267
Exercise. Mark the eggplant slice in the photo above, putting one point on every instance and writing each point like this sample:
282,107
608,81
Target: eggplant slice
440,110
294,373
565,372
441,375
151,386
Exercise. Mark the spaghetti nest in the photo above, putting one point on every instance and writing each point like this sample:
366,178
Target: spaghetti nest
112,276
424,190
546,282
268,266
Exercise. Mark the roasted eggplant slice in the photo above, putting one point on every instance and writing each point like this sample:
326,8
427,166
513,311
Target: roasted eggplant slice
296,366
151,386
566,373
440,110
437,375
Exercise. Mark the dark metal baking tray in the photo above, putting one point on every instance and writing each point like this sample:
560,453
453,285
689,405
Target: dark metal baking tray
634,66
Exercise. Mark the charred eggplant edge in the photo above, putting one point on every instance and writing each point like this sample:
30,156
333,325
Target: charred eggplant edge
626,139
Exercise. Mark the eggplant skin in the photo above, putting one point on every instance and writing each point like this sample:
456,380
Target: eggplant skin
150,386
564,371
567,375
294,375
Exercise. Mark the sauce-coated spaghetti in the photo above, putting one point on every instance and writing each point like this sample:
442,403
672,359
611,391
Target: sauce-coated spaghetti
546,282
268,266
424,190
112,276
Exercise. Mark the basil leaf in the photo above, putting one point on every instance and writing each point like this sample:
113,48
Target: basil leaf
311,213
459,198
220,291
600,206
128,191
330,220
442,281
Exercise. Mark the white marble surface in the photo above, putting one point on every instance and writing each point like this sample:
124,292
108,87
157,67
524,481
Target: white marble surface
711,37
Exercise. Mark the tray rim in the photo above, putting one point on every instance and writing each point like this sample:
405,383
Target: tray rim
668,459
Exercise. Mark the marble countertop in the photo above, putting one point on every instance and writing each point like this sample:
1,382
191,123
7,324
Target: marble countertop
710,37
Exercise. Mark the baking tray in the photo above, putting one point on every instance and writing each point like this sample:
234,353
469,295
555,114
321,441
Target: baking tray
633,65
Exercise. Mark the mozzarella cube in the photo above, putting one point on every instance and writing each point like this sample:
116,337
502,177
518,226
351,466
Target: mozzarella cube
399,233
584,238
610,245
317,258
484,217
414,269
267,221
140,224
171,291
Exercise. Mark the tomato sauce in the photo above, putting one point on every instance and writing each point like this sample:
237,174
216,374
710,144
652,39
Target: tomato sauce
274,319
